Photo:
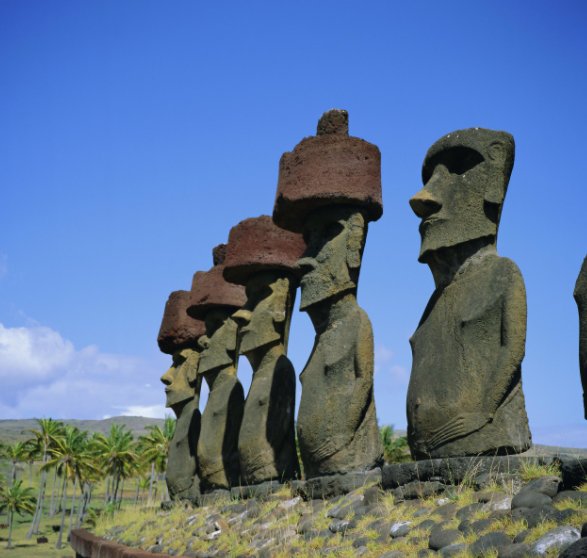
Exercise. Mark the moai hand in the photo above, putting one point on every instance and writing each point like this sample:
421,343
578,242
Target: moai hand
179,336
465,393
329,189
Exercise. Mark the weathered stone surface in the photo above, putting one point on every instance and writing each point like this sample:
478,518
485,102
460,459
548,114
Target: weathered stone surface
580,295
568,495
574,471
418,489
337,424
267,448
452,550
445,537
327,169
178,330
258,244
400,529
578,549
558,538
548,484
474,326
487,542
530,499
455,470
331,486
261,491
210,290
513,551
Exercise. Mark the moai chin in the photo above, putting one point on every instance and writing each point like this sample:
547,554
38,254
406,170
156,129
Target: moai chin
580,295
178,337
214,301
261,256
329,188
465,392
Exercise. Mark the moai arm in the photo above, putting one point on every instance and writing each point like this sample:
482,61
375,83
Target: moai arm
507,366
580,295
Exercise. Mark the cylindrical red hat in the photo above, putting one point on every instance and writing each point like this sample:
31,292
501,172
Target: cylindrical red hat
178,330
258,244
211,290
329,168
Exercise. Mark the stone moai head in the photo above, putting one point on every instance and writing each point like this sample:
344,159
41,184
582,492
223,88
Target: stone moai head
465,175
178,337
261,256
329,188
213,300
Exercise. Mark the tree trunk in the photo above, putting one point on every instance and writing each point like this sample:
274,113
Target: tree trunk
107,489
10,522
60,537
151,484
13,471
137,492
37,517
60,498
115,494
51,508
121,493
72,511
30,474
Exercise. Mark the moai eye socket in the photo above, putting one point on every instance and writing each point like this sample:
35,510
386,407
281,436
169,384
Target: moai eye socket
457,160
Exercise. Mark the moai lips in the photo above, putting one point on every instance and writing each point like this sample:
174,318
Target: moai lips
329,188
262,256
214,300
178,336
465,392
328,169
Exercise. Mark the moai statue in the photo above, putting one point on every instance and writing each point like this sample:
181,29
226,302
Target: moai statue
261,256
214,300
465,393
329,188
179,336
581,299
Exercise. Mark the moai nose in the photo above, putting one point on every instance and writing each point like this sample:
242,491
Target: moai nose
424,205
242,317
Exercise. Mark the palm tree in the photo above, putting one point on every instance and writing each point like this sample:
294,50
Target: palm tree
45,435
73,460
16,499
155,447
17,453
116,454
395,448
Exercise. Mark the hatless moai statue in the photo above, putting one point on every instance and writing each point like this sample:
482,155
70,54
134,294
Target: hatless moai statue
465,392
581,300
179,336
329,188
214,300
261,256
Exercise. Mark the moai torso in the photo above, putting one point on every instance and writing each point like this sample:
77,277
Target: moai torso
465,392
581,299
181,475
221,420
459,363
337,425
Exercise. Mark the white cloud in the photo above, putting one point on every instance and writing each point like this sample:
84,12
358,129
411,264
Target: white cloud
382,356
149,411
42,374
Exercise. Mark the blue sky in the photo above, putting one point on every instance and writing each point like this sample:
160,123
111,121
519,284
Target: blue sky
135,134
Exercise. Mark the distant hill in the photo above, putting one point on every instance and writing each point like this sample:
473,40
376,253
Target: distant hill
16,430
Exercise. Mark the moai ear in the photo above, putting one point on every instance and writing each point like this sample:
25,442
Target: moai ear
355,240
192,366
231,340
495,192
